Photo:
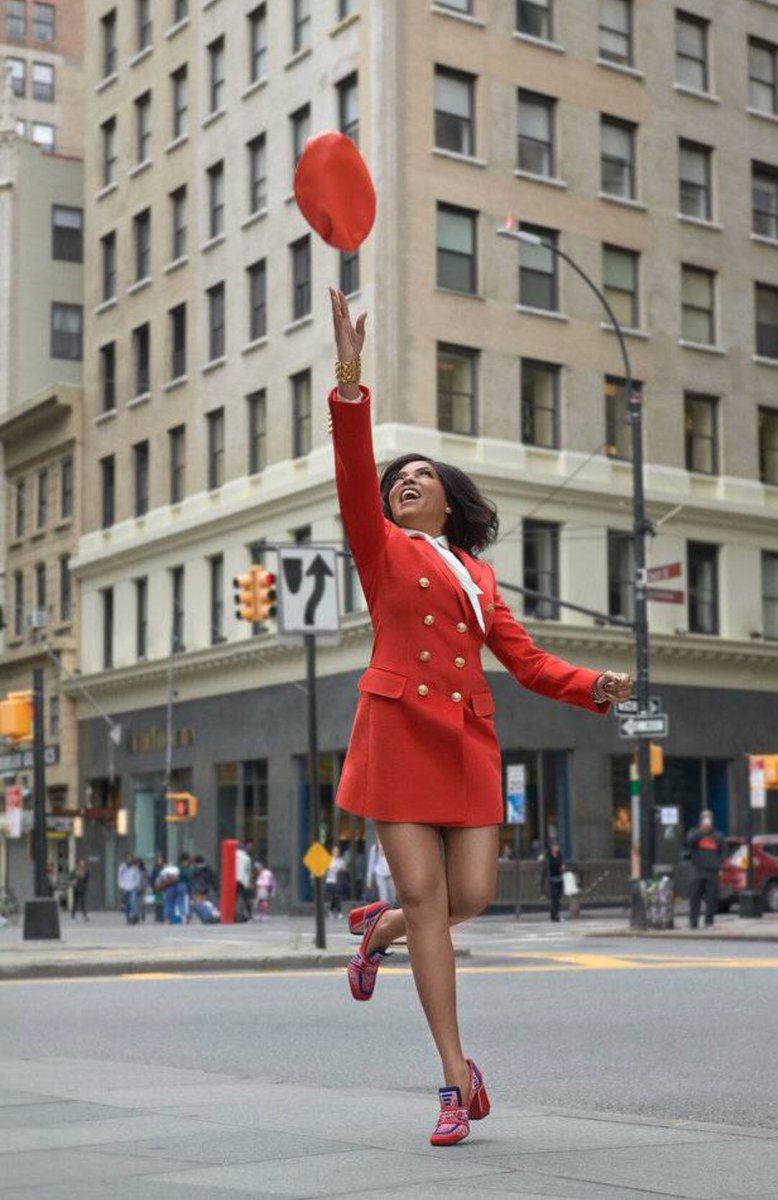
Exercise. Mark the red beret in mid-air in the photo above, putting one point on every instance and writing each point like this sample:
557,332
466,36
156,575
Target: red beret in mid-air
334,191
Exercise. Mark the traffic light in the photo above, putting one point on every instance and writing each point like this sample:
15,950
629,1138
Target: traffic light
16,716
657,759
184,806
245,600
255,594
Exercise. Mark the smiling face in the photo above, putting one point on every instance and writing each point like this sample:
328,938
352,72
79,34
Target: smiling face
417,499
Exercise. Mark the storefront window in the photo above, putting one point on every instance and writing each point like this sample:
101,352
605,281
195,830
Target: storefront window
621,819
546,807
242,805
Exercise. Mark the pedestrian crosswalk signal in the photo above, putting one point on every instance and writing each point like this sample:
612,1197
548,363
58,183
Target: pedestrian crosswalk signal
255,594
183,806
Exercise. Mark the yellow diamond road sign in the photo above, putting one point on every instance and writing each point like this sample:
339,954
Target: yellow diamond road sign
317,859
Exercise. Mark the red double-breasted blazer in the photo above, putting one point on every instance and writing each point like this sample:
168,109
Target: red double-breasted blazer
423,746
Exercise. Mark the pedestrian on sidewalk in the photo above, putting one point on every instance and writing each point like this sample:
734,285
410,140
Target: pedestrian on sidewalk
205,909
157,868
79,881
423,760
143,887
204,878
552,877
244,869
128,879
333,883
707,850
266,888
379,874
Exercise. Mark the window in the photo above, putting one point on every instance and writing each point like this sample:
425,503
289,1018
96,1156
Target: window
143,27
538,285
770,594
140,471
691,52
764,191
180,10
536,134
457,389
766,321
301,129
257,277
616,31
349,271
141,617
539,404
42,514
67,233
108,376
143,128
66,331
18,604
20,127
620,284
177,318
43,22
216,74
258,43
697,305
108,491
107,598
216,331
347,7
617,158
177,608
216,199
108,254
54,715
43,136
17,68
762,72
42,81
65,589
21,508
110,156
109,50
215,448
701,422
621,575
694,180
66,489
301,277
541,568
177,444
702,574
179,82
15,18
257,155
40,587
348,107
456,249
141,358
257,417
301,25
618,429
454,111
178,223
141,224
534,18
216,565
768,445
301,414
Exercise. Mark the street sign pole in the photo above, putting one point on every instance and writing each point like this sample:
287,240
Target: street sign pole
39,784
313,781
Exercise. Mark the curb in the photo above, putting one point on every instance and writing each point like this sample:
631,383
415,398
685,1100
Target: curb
682,935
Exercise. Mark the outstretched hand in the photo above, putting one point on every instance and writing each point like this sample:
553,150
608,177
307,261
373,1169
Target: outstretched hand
349,338
614,686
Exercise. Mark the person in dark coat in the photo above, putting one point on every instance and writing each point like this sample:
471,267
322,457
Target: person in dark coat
707,850
551,877
80,882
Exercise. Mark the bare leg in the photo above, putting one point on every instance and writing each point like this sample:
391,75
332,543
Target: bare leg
434,895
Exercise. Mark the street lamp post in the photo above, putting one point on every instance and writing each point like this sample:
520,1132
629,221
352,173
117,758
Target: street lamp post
640,624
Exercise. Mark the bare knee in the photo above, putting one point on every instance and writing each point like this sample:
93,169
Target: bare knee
424,906
465,905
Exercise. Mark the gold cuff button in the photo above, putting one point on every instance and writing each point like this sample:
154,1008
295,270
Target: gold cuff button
457,696
425,655
424,582
459,662
429,619
461,626
422,689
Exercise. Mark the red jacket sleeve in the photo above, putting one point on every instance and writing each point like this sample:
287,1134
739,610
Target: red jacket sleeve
536,669
356,478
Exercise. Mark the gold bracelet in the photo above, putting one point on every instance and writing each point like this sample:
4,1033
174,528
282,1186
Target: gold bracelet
348,372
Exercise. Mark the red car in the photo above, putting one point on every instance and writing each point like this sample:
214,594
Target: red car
733,872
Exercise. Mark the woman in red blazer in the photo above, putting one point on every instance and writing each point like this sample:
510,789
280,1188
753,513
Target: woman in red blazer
423,760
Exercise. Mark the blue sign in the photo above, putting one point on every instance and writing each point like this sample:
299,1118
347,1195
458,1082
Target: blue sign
516,794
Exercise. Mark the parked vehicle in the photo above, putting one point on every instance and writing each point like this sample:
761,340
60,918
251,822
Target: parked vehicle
733,873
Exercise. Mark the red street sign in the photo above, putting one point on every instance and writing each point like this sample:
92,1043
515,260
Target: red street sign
669,571
13,797
665,597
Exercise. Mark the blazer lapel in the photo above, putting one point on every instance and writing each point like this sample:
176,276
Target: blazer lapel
437,563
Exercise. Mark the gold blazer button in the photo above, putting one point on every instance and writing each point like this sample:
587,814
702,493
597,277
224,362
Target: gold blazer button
429,619
459,661
422,689
424,582
424,655
457,696
461,626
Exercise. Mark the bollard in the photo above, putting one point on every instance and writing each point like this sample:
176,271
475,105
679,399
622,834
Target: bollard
227,876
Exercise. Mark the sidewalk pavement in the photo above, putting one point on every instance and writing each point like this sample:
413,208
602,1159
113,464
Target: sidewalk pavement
88,1129
106,945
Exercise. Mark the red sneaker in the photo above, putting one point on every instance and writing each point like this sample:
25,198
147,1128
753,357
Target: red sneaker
359,917
363,967
478,1105
453,1120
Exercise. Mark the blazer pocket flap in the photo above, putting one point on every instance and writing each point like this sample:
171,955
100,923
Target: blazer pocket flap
483,704
380,682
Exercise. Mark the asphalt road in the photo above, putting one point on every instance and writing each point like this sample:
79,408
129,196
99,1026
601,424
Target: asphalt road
679,1031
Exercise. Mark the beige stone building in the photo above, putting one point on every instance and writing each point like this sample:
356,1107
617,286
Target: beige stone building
637,136
41,51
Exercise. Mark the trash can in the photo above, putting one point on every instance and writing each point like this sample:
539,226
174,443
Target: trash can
659,899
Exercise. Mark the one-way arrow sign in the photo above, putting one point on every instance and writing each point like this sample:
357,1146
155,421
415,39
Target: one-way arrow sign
644,726
307,590
631,708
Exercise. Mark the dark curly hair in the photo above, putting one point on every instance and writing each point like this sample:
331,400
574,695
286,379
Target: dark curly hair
473,523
